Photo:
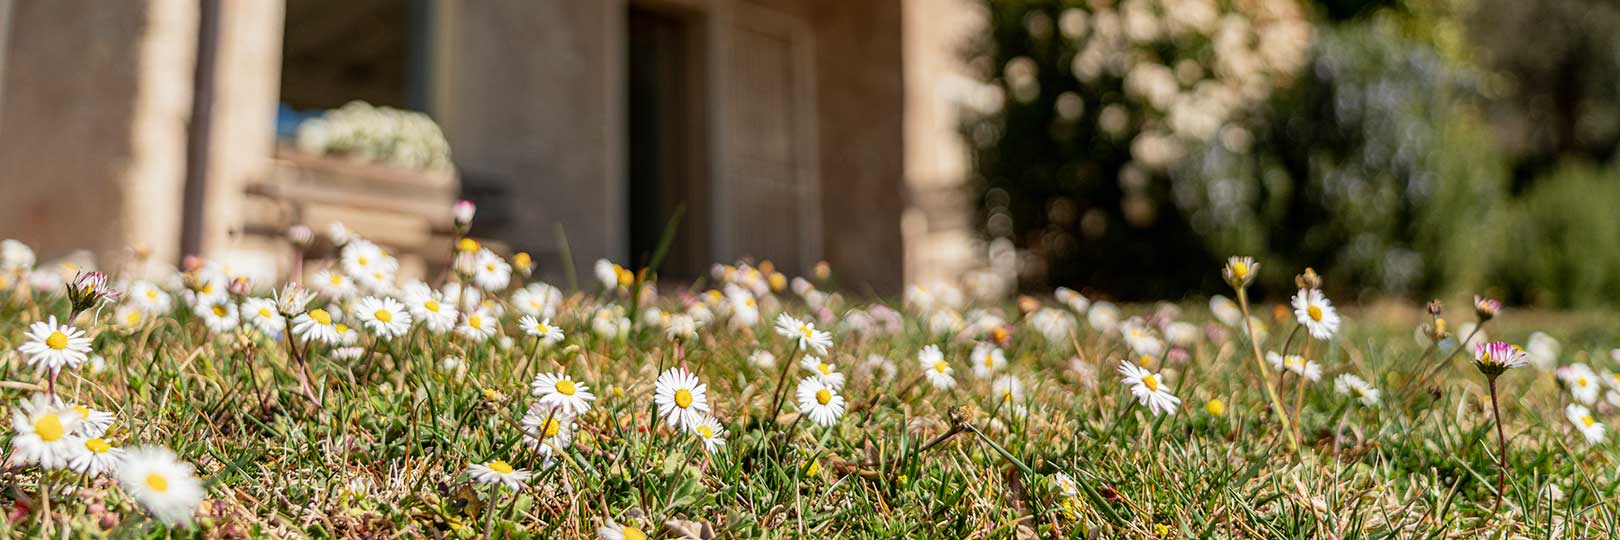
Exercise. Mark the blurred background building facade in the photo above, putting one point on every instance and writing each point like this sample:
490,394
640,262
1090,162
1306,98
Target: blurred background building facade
789,130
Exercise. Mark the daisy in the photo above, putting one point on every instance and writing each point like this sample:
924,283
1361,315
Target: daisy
499,473
15,256
820,369
334,284
492,273
148,298
1353,386
1313,310
1495,357
744,309
166,486
384,317
1240,271
682,401
96,457
348,353
936,368
1149,389
607,273
558,389
613,530
711,433
1308,369
51,346
1008,389
262,314
316,325
345,335
547,333
1103,317
987,359
1181,334
1589,427
1065,485
820,401
1226,311
129,317
219,314
430,307
1611,379
537,300
1139,337
762,359
547,428
293,298
477,326
1583,383
93,423
360,257
44,433
804,333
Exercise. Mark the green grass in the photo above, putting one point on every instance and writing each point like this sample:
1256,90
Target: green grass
385,456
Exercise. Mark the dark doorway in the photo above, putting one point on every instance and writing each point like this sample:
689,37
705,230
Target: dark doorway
667,138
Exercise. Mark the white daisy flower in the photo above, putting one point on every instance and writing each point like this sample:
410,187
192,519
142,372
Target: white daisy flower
1313,310
316,325
262,314
1353,386
804,333
384,317
820,401
430,307
744,309
348,353
44,433
1065,485
1543,350
93,423
15,256
547,333
478,326
823,370
1149,389
345,335
537,300
682,401
129,317
711,433
1583,383
1007,389
335,285
499,473
360,257
1226,311
166,486
147,297
1610,379
1139,337
492,273
1589,427
1308,369
935,368
560,390
987,360
607,273
610,323
52,346
1181,334
1103,317
1075,301
219,314
96,457
613,530
547,429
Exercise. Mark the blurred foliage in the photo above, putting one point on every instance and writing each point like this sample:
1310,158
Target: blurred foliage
1569,219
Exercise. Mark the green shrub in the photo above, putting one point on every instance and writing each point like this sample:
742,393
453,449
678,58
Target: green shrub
1564,247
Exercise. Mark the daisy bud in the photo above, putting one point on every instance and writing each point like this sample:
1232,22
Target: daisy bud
191,263
88,289
293,299
1435,307
1028,304
300,236
463,213
523,263
1486,308
823,271
338,234
1308,280
1240,271
240,286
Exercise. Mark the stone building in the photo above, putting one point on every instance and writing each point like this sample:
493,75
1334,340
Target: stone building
790,130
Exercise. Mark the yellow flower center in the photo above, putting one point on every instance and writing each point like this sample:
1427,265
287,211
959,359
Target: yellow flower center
362,261
476,322
208,288
632,533
808,332
57,340
341,328
264,312
1216,407
321,316
383,315
49,428
336,279
97,445
1315,312
1145,360
151,294
824,368
219,310
84,412
565,387
940,366
467,245
431,305
683,398
552,427
989,361
157,482
823,396
703,430
1240,269
1581,382
1151,382
1588,420
500,467
134,318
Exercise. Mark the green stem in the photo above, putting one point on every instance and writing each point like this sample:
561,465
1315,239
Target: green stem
1260,364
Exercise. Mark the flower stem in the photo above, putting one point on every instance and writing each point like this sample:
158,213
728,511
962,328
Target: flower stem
1501,441
1260,363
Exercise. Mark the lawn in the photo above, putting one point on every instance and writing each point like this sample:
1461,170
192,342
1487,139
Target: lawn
929,416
